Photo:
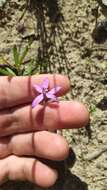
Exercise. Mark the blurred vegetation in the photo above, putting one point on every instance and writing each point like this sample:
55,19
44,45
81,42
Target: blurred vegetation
92,108
19,66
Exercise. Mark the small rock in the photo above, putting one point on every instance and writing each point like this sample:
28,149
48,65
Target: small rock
104,2
102,104
2,2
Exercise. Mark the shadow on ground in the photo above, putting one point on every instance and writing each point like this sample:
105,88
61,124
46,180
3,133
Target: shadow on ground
72,182
50,29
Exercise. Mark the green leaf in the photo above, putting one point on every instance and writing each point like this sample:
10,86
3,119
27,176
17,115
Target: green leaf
3,71
11,72
7,72
29,68
22,57
16,55
92,108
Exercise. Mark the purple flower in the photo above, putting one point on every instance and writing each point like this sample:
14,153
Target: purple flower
45,94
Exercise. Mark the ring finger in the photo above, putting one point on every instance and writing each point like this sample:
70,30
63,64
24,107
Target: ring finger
22,168
69,114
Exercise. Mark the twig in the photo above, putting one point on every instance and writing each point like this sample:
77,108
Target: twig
96,154
23,13
102,178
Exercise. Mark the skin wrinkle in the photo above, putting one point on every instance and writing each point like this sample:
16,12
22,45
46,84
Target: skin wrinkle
16,149
8,119
6,122
5,149
15,173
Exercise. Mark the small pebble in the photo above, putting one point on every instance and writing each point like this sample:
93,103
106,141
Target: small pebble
2,2
104,2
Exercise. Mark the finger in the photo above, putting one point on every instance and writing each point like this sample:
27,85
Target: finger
40,144
18,90
66,115
21,168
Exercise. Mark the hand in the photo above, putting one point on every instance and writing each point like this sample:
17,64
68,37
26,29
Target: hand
23,130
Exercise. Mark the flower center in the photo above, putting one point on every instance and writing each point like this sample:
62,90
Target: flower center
45,90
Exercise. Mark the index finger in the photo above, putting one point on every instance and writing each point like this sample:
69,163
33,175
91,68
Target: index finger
18,90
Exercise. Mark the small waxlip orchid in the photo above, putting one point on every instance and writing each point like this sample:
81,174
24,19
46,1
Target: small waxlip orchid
45,94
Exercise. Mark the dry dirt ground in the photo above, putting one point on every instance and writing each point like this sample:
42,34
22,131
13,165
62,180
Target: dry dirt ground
63,42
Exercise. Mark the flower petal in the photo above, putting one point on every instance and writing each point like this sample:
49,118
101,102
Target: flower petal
45,83
37,88
37,100
55,90
50,96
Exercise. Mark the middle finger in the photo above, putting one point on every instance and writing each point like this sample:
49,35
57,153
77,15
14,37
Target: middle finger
70,114
42,144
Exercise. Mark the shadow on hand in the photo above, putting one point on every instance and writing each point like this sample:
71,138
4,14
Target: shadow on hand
66,180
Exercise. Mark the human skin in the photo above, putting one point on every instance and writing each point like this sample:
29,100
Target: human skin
26,133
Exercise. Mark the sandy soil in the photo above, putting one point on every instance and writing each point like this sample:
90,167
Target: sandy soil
62,42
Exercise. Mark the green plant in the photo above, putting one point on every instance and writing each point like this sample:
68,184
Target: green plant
19,65
92,108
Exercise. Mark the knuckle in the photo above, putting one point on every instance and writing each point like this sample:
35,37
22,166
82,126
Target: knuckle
63,147
4,147
8,120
